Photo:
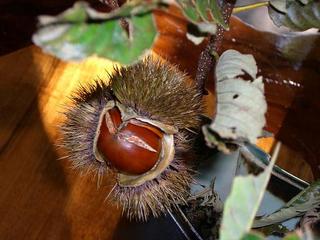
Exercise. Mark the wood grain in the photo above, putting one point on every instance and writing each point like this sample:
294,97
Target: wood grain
41,197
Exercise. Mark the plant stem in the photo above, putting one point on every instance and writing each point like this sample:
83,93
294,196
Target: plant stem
207,60
250,7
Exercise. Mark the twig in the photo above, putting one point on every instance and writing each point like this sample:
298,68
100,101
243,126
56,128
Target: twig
250,7
207,57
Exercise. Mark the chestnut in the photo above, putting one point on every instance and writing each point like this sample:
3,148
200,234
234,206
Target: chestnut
135,126
132,147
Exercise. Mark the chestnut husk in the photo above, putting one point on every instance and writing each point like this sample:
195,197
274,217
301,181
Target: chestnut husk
156,93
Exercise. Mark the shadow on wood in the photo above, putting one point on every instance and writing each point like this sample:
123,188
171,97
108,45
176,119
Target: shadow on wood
33,185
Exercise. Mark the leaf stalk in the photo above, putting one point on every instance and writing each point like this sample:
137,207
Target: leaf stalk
250,7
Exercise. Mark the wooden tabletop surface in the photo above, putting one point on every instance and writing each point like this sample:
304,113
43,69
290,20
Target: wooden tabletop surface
40,196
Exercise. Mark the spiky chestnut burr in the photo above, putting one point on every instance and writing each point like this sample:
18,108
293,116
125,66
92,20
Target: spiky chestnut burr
138,127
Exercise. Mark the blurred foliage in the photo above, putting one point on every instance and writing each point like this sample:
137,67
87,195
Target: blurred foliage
203,12
298,15
81,31
297,206
248,190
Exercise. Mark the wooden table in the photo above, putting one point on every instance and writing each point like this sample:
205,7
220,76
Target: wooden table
40,196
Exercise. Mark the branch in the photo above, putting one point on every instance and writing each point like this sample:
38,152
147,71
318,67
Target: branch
208,56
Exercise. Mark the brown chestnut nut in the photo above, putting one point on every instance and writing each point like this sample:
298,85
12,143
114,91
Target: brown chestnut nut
132,147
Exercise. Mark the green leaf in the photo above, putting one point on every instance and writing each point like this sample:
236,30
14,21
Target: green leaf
82,31
189,10
243,202
296,15
292,236
209,9
253,236
302,234
202,11
297,206
241,104
131,8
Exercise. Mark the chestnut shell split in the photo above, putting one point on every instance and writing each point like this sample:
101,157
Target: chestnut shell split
132,147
